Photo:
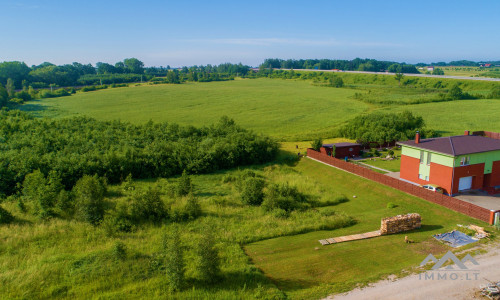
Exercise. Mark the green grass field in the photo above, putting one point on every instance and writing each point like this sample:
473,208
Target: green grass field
282,108
69,259
288,110
263,255
452,118
304,269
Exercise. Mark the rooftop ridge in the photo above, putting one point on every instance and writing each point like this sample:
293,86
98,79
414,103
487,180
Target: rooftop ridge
452,148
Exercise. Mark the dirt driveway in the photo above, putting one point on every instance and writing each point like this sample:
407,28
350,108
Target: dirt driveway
418,287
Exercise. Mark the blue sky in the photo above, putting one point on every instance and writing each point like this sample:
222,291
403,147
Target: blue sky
178,33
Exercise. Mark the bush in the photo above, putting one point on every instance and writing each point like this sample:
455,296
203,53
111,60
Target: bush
189,210
184,185
390,152
284,196
317,144
148,206
174,264
253,191
5,216
391,205
208,264
89,199
119,251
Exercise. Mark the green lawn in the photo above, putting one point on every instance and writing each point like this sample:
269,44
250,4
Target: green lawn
452,118
286,109
389,165
304,269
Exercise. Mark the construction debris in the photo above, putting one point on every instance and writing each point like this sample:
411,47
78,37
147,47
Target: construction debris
400,223
480,233
491,290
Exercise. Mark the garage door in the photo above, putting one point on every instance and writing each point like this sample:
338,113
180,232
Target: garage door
465,183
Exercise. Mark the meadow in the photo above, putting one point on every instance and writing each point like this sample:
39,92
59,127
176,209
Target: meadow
264,254
284,109
288,110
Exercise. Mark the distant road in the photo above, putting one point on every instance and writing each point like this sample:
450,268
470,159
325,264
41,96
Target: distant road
406,74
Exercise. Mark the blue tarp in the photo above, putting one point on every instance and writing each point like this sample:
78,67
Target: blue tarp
455,238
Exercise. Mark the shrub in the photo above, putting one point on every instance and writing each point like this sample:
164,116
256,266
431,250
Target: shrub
174,264
128,184
253,191
5,216
89,199
208,264
317,144
285,197
192,209
391,205
390,152
42,192
119,251
184,185
189,210
148,206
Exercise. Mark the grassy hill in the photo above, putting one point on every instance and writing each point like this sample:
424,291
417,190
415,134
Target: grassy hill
281,108
289,110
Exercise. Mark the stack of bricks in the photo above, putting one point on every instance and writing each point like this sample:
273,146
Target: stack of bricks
400,223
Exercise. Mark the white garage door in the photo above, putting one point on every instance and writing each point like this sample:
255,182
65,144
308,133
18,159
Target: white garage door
465,183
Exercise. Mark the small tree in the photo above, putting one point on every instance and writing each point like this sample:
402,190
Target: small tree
208,258
334,150
317,144
455,92
148,206
184,186
336,82
10,87
89,199
399,77
253,191
174,264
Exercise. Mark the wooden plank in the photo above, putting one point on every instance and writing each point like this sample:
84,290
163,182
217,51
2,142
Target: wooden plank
353,237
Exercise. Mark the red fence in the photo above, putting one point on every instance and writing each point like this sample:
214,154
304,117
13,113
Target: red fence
467,208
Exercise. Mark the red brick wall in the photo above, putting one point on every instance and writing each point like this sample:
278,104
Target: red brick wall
476,170
493,179
466,208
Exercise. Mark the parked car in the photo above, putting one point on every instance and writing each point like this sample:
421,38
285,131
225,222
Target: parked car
433,188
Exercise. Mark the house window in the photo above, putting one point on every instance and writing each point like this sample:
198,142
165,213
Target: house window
421,157
429,158
420,176
426,178
350,149
465,161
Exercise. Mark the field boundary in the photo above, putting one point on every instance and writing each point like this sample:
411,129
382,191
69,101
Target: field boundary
457,205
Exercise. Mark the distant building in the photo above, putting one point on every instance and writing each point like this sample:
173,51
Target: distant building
485,65
341,149
430,68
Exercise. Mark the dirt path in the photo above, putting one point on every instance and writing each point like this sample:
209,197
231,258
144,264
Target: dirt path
416,287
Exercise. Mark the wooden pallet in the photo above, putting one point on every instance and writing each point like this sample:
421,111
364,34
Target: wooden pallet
348,238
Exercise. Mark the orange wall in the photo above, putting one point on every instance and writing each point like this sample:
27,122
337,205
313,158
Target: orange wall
476,170
441,175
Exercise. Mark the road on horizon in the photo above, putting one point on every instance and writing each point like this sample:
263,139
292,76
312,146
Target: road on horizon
406,74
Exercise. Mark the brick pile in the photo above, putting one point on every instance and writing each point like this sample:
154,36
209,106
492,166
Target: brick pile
400,223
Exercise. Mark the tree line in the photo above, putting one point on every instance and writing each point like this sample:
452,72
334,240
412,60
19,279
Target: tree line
80,146
381,128
356,64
